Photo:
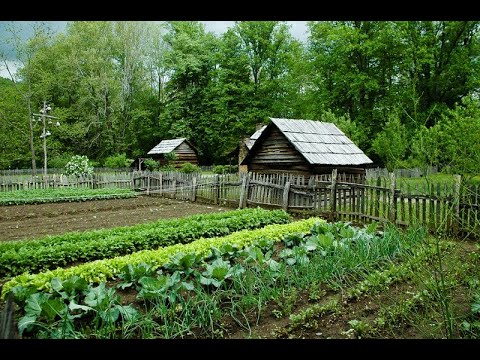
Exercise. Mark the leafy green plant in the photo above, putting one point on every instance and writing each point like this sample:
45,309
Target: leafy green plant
219,271
225,251
471,326
69,288
41,307
253,255
163,287
305,316
225,169
360,328
184,263
170,157
315,292
151,164
298,254
293,240
167,168
131,274
189,168
53,315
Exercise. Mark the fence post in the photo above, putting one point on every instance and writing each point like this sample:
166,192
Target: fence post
160,176
244,191
333,196
194,188
456,203
174,183
215,189
392,208
286,192
148,184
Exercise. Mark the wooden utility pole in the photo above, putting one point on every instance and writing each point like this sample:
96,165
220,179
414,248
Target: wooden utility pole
45,133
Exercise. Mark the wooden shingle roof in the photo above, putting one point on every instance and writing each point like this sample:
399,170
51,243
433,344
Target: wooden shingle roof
320,143
166,146
254,137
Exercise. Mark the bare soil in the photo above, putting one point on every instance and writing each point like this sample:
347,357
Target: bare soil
33,221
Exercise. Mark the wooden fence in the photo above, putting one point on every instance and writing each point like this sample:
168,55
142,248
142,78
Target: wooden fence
58,171
373,173
95,181
448,207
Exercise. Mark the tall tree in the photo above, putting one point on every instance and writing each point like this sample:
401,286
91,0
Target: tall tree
25,50
191,60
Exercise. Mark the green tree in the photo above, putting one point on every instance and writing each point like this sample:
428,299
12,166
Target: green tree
24,79
391,143
191,61
452,143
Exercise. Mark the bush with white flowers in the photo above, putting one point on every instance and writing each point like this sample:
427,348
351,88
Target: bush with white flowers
78,166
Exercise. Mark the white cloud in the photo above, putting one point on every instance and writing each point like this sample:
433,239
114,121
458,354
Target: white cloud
13,66
218,27
297,28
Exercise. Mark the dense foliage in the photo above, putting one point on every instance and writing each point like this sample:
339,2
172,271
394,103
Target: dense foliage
405,91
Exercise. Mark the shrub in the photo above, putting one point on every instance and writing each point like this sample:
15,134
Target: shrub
78,166
225,169
151,165
189,168
170,157
59,161
118,161
167,168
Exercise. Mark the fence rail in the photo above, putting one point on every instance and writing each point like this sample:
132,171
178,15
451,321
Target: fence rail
374,173
94,181
58,171
448,207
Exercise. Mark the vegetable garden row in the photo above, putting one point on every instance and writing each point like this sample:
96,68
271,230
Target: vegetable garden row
221,275
41,196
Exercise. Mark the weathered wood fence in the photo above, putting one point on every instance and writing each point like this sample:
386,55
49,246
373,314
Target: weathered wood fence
95,181
448,207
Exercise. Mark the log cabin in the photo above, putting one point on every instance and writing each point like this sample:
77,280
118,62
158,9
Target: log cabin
186,152
304,147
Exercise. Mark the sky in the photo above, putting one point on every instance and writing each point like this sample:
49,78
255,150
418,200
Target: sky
297,28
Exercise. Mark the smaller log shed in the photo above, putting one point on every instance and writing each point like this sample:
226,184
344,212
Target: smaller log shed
186,152
305,147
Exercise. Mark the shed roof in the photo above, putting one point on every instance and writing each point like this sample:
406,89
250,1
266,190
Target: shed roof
249,143
320,143
166,146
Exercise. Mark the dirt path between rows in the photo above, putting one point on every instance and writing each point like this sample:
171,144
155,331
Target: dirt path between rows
33,221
